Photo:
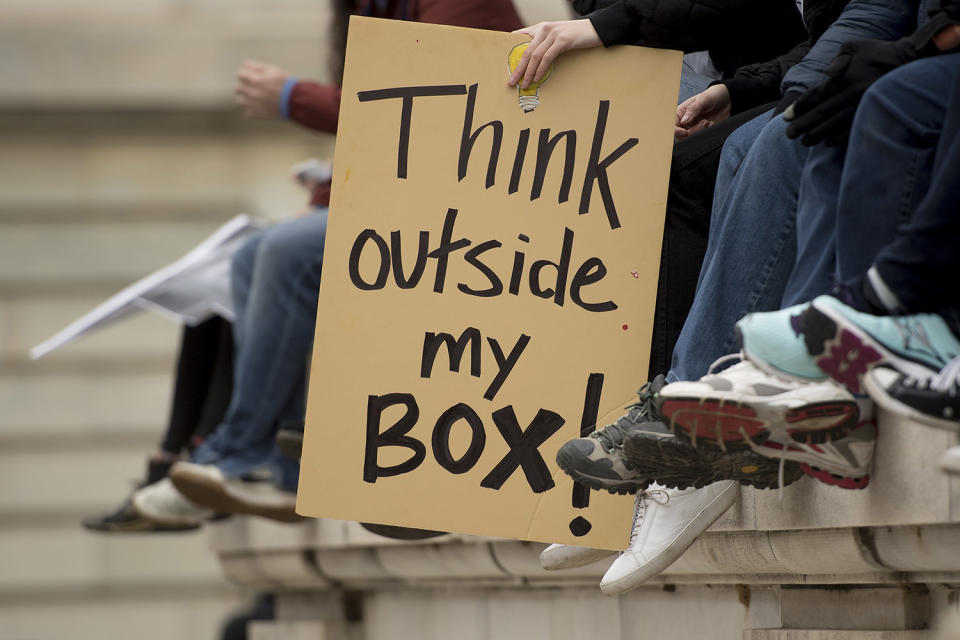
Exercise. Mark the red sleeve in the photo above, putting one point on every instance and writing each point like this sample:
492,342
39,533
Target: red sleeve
315,106
320,196
498,15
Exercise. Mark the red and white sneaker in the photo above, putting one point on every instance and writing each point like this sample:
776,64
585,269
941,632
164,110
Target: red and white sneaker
843,463
744,407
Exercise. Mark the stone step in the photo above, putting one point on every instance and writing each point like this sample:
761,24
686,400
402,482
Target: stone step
30,318
180,610
208,164
47,403
74,477
91,251
68,557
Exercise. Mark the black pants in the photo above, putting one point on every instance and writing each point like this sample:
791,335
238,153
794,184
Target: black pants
204,383
693,173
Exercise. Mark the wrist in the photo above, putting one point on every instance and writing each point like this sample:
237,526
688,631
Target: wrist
284,103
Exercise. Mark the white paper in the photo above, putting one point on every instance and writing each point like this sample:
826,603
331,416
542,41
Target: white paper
190,290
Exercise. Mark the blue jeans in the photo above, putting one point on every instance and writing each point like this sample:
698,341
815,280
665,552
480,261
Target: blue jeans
919,264
751,239
276,280
691,82
753,230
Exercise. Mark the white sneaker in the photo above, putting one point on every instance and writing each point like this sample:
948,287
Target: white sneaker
567,556
665,524
743,406
206,485
163,504
950,460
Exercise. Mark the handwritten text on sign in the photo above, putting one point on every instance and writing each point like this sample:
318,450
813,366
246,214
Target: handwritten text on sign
489,281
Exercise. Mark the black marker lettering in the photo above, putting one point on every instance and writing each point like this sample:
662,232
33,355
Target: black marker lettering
395,436
597,169
441,439
407,94
544,150
562,267
496,286
468,138
455,350
354,262
592,270
397,254
505,365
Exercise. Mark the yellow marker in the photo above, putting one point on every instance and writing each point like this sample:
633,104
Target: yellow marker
750,468
530,97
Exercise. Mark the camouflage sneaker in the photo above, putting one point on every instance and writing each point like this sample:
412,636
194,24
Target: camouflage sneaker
597,461
675,463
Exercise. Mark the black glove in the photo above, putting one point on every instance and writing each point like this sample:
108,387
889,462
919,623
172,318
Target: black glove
825,112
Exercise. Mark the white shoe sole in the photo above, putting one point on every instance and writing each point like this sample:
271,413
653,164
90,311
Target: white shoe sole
208,492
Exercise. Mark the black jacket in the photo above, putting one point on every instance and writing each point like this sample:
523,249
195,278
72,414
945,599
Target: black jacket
759,83
735,32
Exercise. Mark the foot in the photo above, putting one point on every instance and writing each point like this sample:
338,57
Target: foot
950,460
774,342
843,463
567,556
743,407
206,485
665,523
290,443
163,504
846,343
675,463
597,461
933,400
126,519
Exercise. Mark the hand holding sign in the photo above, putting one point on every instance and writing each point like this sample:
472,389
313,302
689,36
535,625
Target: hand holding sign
489,282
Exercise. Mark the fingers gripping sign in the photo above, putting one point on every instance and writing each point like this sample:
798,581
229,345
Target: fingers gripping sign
548,41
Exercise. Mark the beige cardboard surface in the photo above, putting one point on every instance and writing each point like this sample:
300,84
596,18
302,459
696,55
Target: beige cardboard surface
372,335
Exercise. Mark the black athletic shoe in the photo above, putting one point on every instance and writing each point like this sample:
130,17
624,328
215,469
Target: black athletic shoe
597,461
290,443
932,400
125,519
672,462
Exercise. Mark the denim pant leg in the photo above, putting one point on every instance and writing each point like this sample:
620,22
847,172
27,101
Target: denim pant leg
890,158
277,329
920,264
735,149
691,83
814,269
750,251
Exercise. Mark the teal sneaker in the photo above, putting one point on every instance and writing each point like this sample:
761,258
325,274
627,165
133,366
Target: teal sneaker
774,342
846,343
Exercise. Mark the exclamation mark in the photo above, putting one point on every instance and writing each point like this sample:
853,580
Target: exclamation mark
580,526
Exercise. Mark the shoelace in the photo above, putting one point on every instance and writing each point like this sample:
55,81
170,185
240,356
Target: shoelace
640,503
612,435
948,380
722,360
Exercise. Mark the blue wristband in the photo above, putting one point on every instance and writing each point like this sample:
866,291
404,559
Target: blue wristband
285,97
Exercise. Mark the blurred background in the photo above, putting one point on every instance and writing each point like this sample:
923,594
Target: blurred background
120,149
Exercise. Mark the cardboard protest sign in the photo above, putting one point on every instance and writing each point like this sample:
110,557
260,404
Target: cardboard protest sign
490,277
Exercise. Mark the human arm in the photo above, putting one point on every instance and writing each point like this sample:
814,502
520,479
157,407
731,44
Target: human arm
268,91
825,113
